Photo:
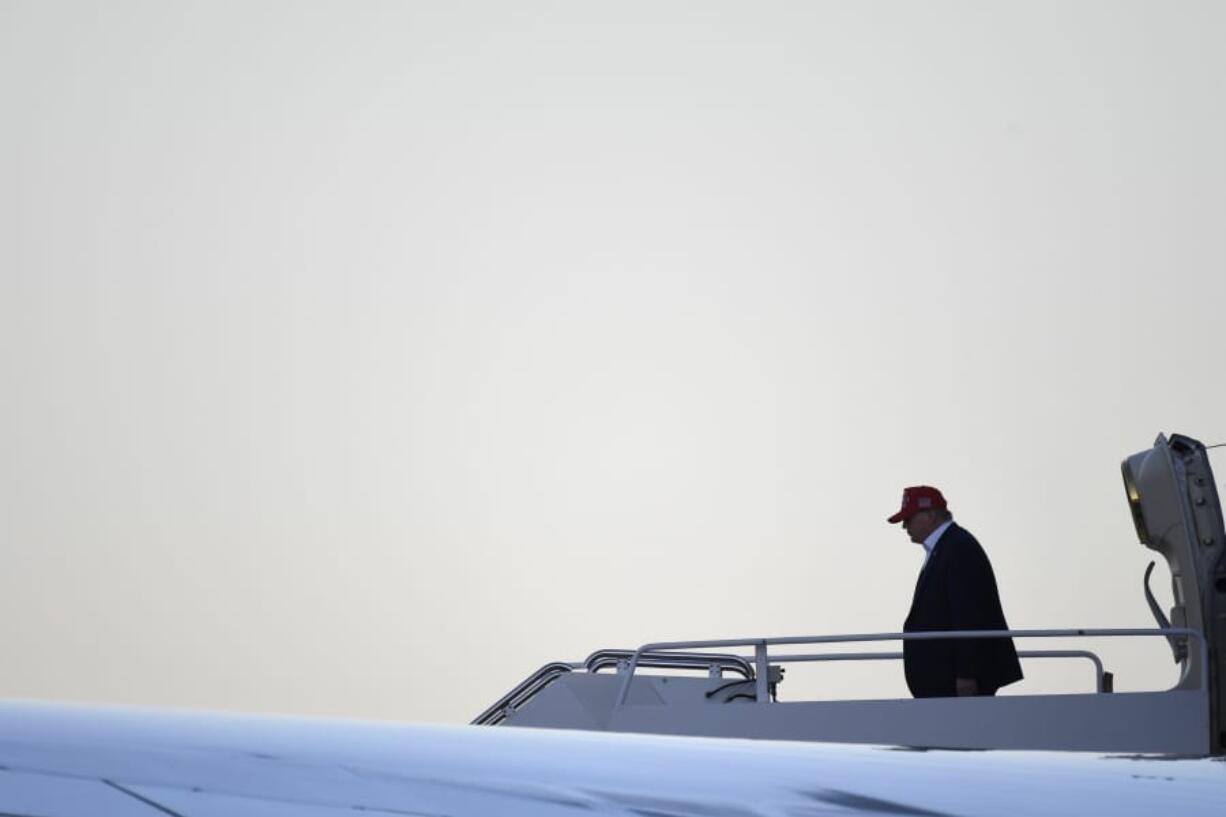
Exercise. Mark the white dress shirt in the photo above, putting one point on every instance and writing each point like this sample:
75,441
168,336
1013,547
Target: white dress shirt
930,543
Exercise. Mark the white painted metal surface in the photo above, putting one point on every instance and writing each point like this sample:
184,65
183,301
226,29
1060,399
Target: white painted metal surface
1172,722
73,762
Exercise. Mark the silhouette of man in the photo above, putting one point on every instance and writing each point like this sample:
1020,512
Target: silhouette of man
956,590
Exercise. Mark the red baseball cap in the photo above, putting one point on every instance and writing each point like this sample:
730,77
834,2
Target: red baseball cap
918,498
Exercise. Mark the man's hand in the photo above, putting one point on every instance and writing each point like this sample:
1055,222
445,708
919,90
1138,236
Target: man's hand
966,686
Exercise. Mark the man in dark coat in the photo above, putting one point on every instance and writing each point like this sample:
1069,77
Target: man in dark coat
956,590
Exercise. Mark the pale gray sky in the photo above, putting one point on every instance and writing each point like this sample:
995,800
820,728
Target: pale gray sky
359,358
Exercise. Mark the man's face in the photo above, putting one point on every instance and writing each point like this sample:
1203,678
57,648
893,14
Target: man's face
920,525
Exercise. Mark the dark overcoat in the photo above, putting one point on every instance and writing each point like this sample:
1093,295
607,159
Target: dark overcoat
956,590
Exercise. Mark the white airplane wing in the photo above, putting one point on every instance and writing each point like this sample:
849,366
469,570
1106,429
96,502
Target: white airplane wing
68,761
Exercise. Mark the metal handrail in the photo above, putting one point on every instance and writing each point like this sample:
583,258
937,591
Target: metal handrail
672,660
761,658
522,691
716,663
894,656
1099,672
